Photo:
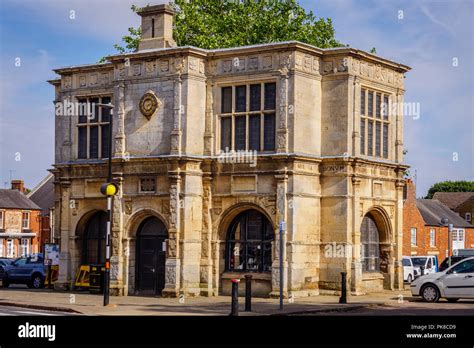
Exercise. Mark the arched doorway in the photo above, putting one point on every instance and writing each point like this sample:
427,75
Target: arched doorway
93,250
249,243
370,248
151,257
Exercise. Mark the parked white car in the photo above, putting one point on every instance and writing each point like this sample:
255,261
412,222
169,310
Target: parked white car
409,272
454,283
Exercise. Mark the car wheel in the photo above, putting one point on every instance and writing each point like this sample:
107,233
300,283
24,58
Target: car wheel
430,293
452,300
5,283
409,279
37,282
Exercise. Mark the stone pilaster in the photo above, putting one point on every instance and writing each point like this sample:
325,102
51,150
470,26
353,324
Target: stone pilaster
117,258
208,133
173,263
398,133
356,118
178,108
119,120
282,130
356,264
206,275
65,279
282,188
398,233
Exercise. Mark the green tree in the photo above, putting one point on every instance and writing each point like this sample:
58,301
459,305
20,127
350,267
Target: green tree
451,186
212,24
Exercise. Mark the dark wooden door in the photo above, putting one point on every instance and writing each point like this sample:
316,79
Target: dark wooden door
151,258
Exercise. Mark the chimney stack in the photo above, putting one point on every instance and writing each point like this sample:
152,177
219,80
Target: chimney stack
18,185
157,27
410,190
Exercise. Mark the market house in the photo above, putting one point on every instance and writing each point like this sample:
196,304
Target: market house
329,163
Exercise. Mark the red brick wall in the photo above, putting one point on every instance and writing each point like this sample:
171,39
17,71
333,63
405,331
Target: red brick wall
412,218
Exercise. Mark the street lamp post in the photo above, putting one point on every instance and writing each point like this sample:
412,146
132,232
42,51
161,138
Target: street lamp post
445,222
108,189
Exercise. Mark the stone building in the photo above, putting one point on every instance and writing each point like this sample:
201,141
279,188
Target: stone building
306,139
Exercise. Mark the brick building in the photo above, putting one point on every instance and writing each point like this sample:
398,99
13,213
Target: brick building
323,154
423,232
43,196
19,222
459,202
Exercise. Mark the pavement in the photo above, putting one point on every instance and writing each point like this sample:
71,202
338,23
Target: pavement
21,311
90,304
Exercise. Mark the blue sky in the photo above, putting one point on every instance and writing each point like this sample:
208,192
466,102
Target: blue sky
429,38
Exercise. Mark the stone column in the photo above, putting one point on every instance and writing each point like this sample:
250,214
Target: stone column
67,241
117,258
206,275
178,108
356,265
119,119
173,264
282,183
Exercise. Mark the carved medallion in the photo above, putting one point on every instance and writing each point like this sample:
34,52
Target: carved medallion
149,103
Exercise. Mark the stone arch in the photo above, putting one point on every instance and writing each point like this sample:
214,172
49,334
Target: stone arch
220,230
80,235
384,225
385,259
225,218
134,221
131,228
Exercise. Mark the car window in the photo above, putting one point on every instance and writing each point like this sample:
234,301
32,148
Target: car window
418,261
464,267
20,262
429,265
406,262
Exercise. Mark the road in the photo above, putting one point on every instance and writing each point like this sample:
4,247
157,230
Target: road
21,311
411,307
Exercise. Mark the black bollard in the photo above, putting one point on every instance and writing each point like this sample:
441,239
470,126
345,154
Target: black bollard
235,298
343,298
422,270
248,293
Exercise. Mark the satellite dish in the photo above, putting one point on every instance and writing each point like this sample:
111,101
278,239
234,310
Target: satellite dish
444,221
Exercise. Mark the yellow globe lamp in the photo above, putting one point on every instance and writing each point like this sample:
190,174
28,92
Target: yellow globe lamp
108,189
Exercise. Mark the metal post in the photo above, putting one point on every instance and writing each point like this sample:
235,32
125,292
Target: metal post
422,270
282,245
234,309
450,229
248,293
343,298
107,251
109,218
50,277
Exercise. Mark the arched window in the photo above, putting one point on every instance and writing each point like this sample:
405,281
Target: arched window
94,239
370,245
248,245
